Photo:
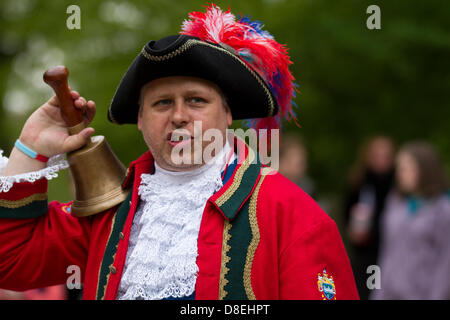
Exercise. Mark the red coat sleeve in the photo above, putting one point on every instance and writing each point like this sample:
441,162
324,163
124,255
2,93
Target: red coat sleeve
317,255
38,241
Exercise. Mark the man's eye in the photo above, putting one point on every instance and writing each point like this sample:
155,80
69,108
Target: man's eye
197,100
163,102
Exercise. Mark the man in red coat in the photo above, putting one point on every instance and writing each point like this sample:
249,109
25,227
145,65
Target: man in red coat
223,228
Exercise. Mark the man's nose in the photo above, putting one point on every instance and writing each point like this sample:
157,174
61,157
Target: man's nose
180,114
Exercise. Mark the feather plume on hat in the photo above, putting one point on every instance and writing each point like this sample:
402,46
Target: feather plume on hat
257,48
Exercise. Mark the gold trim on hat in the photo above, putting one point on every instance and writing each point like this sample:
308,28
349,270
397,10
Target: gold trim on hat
191,42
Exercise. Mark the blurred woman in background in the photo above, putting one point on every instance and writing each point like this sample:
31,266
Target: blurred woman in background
415,229
370,180
294,162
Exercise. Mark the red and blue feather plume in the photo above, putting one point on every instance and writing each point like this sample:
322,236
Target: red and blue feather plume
257,48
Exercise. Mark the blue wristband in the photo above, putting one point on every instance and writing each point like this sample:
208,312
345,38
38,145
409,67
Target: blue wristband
30,152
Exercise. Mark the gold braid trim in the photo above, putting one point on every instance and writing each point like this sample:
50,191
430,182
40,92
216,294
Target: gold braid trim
237,179
109,273
14,204
191,42
187,45
225,259
100,269
255,240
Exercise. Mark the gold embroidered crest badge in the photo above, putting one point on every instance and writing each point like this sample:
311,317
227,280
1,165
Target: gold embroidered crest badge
325,285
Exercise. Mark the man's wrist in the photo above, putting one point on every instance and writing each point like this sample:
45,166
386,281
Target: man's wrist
19,163
30,140
30,152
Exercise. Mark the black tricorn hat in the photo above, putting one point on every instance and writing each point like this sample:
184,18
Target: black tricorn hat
247,93
242,59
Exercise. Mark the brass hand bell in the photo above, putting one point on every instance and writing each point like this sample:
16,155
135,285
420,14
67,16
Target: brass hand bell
96,170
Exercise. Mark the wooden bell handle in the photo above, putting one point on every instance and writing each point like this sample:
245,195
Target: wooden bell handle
57,79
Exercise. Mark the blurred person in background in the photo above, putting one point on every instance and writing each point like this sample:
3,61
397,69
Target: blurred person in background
294,162
415,238
370,179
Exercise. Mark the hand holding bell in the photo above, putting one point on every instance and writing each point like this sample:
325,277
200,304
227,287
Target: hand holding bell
96,170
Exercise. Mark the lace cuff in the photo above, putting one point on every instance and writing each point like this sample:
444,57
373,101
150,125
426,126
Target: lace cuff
55,164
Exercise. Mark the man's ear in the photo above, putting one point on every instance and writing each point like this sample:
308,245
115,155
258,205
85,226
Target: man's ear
229,116
141,106
139,121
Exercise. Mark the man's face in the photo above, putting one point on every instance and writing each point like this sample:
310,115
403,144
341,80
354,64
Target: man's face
171,105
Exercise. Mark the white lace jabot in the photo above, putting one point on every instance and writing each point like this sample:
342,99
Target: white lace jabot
162,252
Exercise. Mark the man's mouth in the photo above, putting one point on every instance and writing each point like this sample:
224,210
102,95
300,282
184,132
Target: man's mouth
178,138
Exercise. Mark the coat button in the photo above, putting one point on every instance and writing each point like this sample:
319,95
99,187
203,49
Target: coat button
112,269
121,236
